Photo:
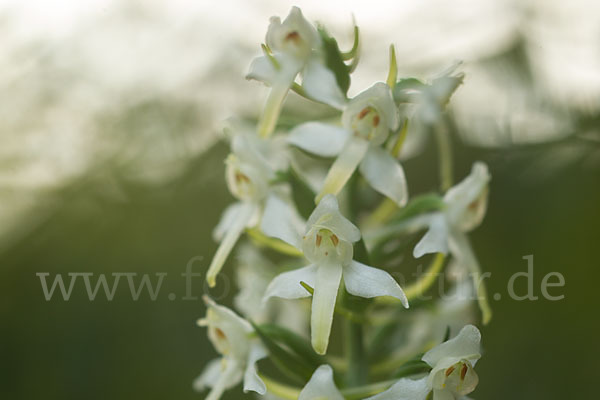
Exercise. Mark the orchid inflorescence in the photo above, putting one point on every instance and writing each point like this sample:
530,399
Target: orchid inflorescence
324,203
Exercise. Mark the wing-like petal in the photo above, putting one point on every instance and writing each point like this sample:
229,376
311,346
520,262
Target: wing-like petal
263,70
318,138
405,389
464,345
281,221
209,375
385,174
321,386
436,238
229,377
364,281
252,381
287,285
320,84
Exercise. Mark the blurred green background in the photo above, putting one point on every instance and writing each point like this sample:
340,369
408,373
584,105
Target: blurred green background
150,189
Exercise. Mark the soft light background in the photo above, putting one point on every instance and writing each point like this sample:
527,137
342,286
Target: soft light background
109,115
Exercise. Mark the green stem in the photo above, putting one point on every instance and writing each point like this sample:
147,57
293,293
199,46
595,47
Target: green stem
445,153
278,245
419,287
280,390
357,361
291,393
367,390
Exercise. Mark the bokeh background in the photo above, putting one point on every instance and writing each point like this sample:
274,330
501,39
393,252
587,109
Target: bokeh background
110,161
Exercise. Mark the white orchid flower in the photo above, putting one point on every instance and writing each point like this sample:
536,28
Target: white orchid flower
231,337
328,244
366,122
428,325
296,47
425,107
321,386
465,206
250,168
452,375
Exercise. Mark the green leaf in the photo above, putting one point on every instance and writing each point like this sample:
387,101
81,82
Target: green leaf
302,194
379,345
419,205
294,342
412,367
447,335
294,367
335,61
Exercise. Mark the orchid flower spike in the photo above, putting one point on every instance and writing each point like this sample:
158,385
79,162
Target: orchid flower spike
452,375
465,206
327,243
296,49
366,122
231,336
321,386
249,170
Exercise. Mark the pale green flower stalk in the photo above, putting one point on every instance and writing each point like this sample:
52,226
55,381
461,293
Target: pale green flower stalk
321,200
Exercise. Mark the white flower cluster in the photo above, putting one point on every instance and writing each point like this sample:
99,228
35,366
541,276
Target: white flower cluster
313,219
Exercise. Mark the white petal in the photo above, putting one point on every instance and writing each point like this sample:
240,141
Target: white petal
327,216
209,376
465,345
351,155
241,220
467,200
320,84
287,285
262,70
317,138
385,174
281,221
436,238
323,305
321,386
364,281
231,376
405,389
252,381
228,218
461,249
